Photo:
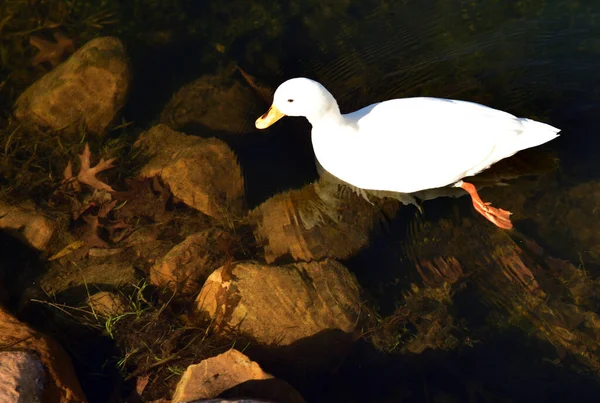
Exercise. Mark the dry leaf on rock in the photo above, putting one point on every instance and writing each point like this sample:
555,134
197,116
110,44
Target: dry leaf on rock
51,52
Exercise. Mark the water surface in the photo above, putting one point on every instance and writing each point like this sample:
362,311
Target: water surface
537,59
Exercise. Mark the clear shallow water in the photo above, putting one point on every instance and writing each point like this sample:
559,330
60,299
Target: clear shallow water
533,59
537,59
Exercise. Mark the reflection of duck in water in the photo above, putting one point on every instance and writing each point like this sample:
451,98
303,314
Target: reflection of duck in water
408,145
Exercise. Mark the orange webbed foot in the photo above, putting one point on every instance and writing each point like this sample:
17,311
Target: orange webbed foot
497,216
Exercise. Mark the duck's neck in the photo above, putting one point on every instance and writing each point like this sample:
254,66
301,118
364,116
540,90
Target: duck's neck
328,116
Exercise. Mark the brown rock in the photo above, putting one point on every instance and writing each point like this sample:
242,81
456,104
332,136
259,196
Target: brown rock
149,252
61,383
315,222
185,267
278,305
203,173
439,270
113,271
28,224
88,89
107,304
21,377
215,375
223,103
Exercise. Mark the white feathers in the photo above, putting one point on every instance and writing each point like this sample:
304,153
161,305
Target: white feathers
407,145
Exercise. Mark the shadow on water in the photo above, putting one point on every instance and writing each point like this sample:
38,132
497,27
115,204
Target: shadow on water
507,368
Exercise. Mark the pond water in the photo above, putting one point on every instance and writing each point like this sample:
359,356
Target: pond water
537,59
534,59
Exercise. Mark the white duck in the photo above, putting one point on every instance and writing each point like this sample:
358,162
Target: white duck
410,144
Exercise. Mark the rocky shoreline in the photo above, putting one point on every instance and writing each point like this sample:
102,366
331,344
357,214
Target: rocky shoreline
196,293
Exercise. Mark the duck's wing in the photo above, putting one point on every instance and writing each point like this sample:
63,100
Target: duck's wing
412,144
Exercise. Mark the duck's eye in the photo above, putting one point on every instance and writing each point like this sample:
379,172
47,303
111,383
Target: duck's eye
290,100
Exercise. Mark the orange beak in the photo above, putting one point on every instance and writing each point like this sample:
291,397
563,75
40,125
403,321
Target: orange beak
270,117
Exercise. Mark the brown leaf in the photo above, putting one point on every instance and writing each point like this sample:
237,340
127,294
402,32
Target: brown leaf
68,172
90,234
106,208
87,174
52,52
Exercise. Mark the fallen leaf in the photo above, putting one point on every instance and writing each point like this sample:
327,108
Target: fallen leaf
72,247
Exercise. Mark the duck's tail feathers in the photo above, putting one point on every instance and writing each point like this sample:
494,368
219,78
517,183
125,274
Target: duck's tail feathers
536,133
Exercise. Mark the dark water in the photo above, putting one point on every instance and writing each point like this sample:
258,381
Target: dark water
538,59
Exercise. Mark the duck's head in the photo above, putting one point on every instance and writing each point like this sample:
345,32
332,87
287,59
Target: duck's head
299,97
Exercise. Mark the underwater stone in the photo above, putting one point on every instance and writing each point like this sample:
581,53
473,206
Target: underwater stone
569,221
220,103
316,222
280,305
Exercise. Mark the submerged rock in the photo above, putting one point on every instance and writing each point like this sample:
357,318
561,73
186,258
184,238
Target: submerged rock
315,222
280,305
61,384
88,90
570,221
543,296
330,218
28,224
222,103
203,173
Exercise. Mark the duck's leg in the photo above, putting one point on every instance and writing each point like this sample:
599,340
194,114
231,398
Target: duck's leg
499,217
